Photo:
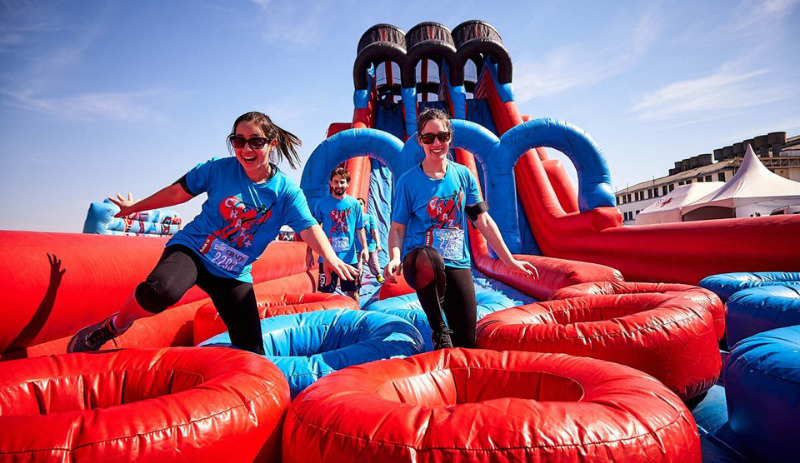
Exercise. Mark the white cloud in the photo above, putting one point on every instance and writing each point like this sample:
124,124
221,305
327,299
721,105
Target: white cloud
299,23
757,14
731,87
126,107
583,65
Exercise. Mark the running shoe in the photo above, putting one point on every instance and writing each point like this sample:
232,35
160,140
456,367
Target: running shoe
441,339
93,337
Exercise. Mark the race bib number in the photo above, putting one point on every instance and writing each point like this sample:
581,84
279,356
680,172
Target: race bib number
340,244
224,256
449,242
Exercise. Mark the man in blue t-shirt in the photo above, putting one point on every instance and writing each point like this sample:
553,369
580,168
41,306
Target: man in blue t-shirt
341,219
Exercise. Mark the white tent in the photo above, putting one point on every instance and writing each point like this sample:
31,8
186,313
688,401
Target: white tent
668,208
754,190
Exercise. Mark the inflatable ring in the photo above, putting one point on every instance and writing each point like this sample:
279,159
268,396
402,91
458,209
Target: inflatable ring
307,346
762,386
704,297
208,323
478,405
669,337
728,284
172,404
752,311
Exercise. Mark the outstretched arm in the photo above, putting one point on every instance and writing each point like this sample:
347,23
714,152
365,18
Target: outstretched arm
488,228
165,197
362,237
378,246
316,239
397,234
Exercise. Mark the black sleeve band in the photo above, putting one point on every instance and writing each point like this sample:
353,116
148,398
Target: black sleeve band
476,209
182,182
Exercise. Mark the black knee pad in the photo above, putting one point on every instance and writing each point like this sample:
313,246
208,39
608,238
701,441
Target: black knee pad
422,266
154,299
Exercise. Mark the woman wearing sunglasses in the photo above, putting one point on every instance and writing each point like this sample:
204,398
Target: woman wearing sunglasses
249,199
430,208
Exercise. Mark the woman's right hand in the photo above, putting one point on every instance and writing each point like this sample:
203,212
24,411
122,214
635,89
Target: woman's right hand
125,204
393,268
336,265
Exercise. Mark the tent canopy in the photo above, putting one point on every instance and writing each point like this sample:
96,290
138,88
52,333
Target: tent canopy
754,190
669,207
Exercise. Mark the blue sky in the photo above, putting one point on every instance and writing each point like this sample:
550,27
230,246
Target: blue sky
99,97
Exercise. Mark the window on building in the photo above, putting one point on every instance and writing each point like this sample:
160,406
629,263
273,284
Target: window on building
699,179
688,181
671,186
708,178
664,190
629,197
680,183
721,176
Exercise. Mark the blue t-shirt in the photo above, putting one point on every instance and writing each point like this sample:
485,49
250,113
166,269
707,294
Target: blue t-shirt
433,211
369,225
239,218
340,218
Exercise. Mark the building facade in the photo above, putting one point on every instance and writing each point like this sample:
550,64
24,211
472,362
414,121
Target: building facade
779,154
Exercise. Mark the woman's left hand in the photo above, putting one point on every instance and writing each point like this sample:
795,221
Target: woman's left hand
524,267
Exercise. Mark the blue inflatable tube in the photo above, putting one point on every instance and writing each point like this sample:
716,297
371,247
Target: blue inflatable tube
762,386
490,300
760,309
727,284
308,346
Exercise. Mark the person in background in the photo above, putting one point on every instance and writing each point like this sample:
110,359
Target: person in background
373,242
342,222
249,199
428,236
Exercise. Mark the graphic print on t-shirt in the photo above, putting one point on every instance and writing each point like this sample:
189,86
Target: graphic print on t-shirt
339,227
243,221
445,233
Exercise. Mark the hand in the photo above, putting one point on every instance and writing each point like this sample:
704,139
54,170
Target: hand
309,259
393,268
524,267
345,272
364,257
56,272
124,204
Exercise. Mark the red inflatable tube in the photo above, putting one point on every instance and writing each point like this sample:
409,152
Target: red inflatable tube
459,405
71,280
207,322
669,337
173,404
702,296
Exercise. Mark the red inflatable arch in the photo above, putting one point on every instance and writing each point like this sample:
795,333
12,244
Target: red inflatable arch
704,297
669,337
459,405
171,404
207,322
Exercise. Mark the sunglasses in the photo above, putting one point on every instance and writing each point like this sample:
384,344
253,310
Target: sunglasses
427,138
256,143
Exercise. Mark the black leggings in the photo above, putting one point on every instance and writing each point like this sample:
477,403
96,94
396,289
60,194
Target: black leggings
178,269
443,289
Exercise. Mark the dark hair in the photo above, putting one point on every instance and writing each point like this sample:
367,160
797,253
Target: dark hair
287,141
431,114
341,172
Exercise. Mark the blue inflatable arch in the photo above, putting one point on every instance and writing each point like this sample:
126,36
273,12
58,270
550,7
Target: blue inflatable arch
337,149
495,159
